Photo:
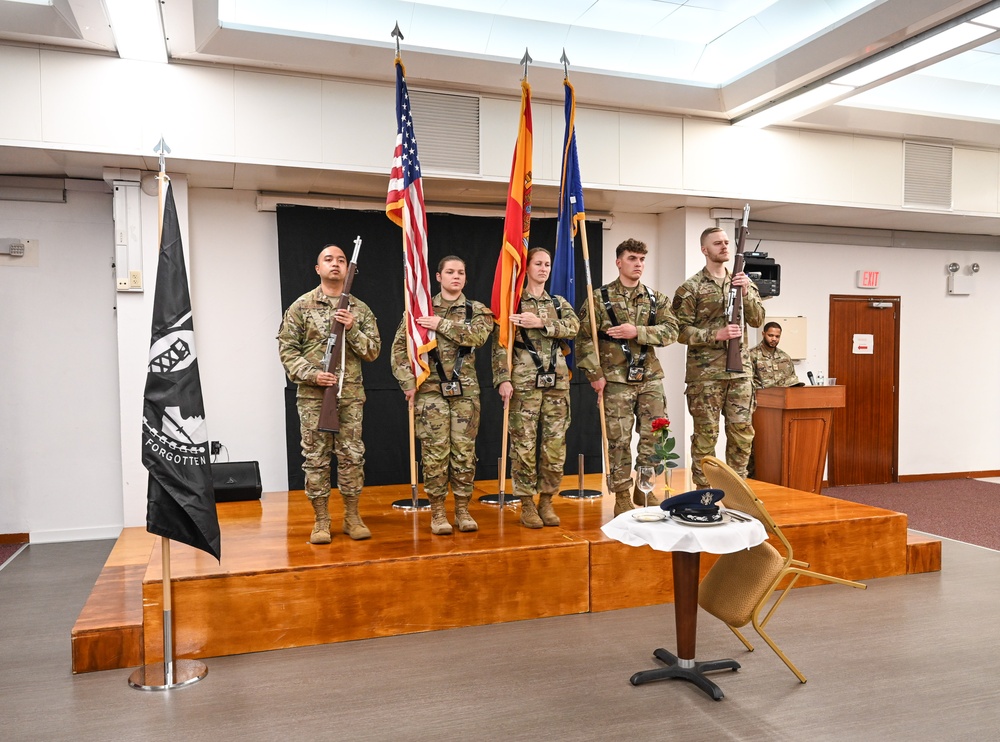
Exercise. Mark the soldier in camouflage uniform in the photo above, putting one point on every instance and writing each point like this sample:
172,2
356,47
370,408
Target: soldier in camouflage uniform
771,366
623,366
536,388
700,308
302,344
446,405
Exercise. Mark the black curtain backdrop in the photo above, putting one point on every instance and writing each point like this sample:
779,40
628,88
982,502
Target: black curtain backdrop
302,233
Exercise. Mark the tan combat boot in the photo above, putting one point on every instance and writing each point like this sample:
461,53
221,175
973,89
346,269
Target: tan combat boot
463,519
641,501
546,511
353,525
623,502
529,514
321,529
439,518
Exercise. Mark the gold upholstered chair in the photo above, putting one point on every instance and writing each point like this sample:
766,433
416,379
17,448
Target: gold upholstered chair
739,586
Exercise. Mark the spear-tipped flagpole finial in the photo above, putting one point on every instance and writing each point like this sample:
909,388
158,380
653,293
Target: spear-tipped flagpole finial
565,60
526,60
163,150
398,35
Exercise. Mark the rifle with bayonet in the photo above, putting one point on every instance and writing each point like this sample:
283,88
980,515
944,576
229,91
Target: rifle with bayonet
329,416
734,309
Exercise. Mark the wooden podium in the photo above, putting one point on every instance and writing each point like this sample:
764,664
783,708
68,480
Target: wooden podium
792,434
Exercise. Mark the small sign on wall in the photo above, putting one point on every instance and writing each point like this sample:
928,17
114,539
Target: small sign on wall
867,279
864,345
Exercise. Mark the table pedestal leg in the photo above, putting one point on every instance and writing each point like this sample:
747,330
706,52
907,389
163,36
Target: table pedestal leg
683,665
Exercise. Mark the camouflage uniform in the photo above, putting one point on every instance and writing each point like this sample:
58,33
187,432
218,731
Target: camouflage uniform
772,367
536,411
447,426
700,307
627,403
301,344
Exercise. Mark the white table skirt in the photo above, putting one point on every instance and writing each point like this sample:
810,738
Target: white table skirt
669,535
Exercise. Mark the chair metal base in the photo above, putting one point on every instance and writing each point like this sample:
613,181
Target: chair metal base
581,494
693,672
495,500
153,677
422,504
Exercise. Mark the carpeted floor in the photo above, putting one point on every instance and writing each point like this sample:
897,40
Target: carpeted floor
961,509
7,551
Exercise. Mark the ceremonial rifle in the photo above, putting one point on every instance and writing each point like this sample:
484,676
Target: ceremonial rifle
734,310
329,416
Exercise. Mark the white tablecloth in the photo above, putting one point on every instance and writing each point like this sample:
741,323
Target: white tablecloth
669,535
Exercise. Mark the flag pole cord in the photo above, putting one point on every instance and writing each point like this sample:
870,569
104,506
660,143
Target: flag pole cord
593,333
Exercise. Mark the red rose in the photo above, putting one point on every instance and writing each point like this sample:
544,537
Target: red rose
660,422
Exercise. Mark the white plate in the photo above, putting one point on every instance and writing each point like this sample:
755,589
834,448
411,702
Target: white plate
725,519
649,517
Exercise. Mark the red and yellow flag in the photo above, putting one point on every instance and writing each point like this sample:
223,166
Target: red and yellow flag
509,278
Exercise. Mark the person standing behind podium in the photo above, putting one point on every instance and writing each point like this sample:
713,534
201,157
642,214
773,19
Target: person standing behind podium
302,339
446,406
772,366
632,320
700,307
537,390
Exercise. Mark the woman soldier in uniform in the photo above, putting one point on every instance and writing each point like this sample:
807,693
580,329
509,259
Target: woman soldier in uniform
536,387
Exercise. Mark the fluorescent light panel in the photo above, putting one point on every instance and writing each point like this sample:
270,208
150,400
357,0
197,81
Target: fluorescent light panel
138,29
792,108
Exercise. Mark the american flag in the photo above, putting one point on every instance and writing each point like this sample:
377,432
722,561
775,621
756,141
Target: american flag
404,204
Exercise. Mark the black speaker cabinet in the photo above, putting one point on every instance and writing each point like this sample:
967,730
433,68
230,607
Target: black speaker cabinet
236,480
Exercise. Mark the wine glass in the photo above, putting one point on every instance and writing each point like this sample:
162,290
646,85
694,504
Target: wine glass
645,480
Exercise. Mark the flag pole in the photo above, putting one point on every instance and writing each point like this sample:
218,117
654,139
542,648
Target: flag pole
593,333
171,673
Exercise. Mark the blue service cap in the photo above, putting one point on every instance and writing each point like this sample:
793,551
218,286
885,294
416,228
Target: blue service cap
694,500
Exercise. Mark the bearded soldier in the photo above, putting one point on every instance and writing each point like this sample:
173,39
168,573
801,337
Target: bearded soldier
700,307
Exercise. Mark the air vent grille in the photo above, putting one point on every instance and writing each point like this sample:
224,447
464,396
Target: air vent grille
447,130
927,175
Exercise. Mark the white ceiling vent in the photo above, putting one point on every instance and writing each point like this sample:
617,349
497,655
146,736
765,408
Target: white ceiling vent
927,175
447,130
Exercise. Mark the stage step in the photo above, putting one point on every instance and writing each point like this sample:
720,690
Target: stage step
923,553
108,632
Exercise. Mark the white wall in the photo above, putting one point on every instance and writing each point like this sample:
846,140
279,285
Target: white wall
60,453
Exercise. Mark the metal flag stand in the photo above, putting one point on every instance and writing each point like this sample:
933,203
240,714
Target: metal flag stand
508,498
580,493
171,673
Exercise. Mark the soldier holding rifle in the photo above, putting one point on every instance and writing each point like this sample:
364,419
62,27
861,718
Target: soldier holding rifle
302,344
701,305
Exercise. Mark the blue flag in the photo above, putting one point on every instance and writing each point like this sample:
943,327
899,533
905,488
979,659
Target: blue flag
571,214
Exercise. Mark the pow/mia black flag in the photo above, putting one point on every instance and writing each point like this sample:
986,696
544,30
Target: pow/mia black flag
181,498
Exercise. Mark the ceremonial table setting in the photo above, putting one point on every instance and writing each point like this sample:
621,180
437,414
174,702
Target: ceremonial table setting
664,530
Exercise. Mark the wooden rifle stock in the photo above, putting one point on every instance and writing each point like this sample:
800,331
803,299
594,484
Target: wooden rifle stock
734,357
329,416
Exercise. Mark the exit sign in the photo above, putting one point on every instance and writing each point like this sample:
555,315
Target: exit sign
867,279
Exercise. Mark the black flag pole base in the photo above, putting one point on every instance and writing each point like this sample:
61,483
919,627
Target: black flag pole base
580,493
495,499
421,503
158,676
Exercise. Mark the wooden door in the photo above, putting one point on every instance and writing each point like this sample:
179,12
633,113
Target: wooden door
864,358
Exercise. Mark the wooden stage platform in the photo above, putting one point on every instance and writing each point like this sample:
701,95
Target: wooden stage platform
274,590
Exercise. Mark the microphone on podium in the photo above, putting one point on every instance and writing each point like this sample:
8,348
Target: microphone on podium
811,379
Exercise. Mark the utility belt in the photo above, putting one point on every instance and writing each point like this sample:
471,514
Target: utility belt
636,363
451,386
